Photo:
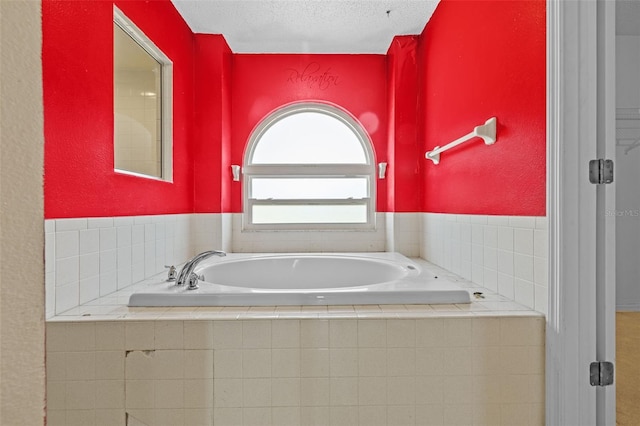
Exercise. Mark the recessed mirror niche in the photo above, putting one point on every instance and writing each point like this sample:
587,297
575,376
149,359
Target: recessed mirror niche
142,103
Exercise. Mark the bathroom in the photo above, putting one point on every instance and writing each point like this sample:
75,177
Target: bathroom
426,90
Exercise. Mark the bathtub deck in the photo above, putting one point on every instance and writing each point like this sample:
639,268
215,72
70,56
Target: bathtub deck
114,307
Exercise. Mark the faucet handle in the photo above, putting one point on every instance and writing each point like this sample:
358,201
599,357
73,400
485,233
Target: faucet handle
193,281
172,274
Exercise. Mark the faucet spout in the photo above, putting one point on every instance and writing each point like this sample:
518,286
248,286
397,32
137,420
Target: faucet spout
186,274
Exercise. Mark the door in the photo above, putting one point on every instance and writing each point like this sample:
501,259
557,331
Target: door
626,143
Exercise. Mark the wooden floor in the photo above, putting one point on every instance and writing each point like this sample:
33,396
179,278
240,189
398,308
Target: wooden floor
628,368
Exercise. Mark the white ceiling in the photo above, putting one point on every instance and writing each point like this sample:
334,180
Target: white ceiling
307,26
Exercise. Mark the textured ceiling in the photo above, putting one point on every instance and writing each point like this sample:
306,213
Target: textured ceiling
307,26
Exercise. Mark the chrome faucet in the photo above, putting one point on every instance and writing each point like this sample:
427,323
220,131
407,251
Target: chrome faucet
187,275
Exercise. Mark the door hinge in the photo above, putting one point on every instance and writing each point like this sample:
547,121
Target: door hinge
601,373
601,171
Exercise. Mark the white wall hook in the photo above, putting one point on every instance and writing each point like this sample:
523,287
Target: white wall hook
486,131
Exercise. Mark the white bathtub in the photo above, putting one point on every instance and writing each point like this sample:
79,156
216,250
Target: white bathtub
306,279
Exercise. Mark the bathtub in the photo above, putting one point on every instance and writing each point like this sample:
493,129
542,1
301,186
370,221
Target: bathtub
306,279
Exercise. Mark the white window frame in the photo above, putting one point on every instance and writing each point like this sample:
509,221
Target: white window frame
366,170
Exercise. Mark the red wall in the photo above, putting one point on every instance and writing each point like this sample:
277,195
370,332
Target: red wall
426,91
212,123
78,110
263,83
404,151
482,59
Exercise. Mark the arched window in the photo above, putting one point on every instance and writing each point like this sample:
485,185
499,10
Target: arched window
309,166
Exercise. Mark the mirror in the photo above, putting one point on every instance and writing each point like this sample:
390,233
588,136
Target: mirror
142,103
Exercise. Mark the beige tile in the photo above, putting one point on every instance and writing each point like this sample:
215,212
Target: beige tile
486,332
168,364
519,331
81,336
169,334
343,333
198,417
401,390
515,389
285,392
430,390
372,391
56,366
140,394
110,417
169,417
227,334
343,391
401,361
198,334
139,335
315,416
401,333
457,361
536,414
458,390
141,417
227,393
429,332
81,417
458,414
314,362
227,363
372,416
56,417
56,395
372,333
515,359
286,416
372,362
486,390
109,365
110,336
256,363
514,414
81,395
81,365
536,388
256,392
110,394
536,360
198,364
430,415
285,362
257,416
140,365
343,416
343,362
401,415
227,416
314,392
256,334
56,337
429,361
458,332
314,333
285,333
198,393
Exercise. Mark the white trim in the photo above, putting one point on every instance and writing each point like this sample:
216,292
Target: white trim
571,116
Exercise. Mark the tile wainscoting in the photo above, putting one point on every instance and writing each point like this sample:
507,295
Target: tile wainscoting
412,371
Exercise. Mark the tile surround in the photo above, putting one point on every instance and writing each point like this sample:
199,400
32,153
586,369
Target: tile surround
87,258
